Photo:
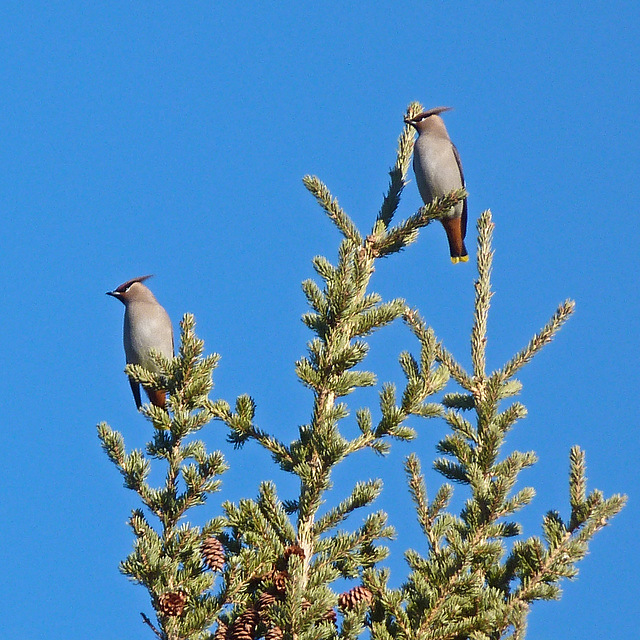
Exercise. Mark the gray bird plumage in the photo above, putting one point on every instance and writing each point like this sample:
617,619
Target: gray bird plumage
438,171
146,326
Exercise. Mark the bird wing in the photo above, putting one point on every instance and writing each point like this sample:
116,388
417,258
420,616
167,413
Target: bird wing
135,389
463,219
464,204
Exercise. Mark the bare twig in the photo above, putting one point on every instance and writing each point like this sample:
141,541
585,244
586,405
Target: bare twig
148,622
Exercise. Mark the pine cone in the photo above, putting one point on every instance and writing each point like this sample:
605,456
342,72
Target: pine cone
265,600
213,553
244,626
240,633
293,550
331,616
350,599
221,631
274,633
172,603
280,579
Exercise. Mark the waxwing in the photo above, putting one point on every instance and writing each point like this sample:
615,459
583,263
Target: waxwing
436,164
146,326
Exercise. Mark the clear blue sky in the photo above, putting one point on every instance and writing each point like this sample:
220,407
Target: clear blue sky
171,138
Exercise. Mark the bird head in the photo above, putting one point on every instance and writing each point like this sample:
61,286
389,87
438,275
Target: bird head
428,119
131,290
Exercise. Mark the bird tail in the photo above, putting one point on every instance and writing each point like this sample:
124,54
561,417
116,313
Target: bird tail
158,398
455,236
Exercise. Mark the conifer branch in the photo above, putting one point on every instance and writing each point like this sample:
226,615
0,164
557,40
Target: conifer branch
168,561
342,313
278,560
465,587
455,369
539,340
427,513
333,210
398,174
577,488
483,295
363,494
152,626
406,232
242,429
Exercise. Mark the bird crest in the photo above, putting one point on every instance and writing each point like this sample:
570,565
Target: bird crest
125,285
425,114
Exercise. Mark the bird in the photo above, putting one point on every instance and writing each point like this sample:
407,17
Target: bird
146,326
436,164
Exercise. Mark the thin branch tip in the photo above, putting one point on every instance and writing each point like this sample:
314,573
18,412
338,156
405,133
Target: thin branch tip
150,624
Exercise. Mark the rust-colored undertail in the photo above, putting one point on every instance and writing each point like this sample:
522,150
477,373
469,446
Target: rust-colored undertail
455,236
158,398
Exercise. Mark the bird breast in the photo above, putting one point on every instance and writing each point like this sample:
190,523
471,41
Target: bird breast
146,327
436,168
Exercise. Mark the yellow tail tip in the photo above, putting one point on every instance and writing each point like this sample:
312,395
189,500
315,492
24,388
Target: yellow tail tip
456,259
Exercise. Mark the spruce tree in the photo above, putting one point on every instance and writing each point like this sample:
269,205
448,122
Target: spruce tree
268,567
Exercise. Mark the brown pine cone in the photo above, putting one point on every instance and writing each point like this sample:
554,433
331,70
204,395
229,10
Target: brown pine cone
280,579
239,633
274,633
172,603
294,549
213,553
349,599
221,631
331,616
265,600
244,626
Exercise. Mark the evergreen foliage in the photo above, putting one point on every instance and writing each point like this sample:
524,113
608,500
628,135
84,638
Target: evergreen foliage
168,561
470,585
277,560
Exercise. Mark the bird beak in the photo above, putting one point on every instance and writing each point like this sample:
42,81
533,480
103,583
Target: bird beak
115,294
